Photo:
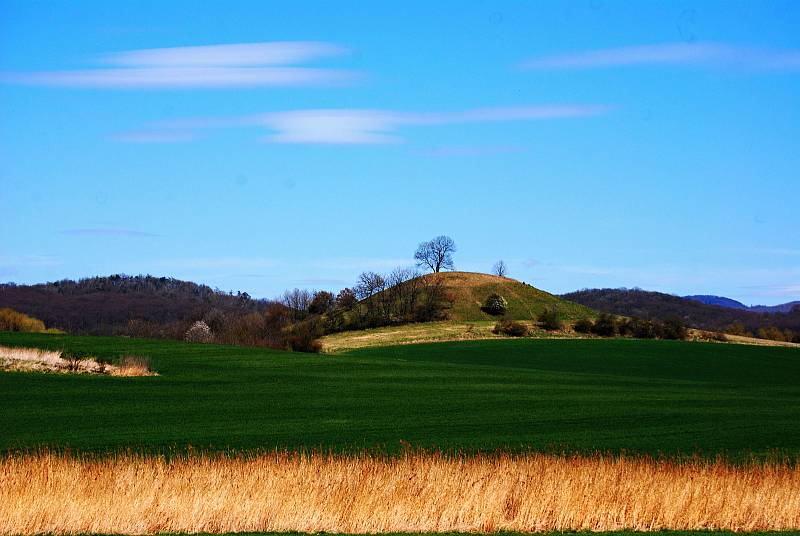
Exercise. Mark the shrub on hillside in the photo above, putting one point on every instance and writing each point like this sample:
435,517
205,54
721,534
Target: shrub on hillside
549,320
304,336
643,329
495,305
199,332
511,328
11,320
674,328
772,333
322,302
715,336
605,325
584,325
624,327
738,328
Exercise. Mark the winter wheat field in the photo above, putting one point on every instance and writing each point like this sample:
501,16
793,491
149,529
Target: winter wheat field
479,436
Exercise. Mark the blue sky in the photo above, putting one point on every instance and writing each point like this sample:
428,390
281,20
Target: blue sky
259,146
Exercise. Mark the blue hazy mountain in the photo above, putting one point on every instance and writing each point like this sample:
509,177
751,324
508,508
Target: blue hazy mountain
722,301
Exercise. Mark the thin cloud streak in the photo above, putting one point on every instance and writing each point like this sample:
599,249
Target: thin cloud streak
373,126
107,231
380,126
215,66
182,77
678,54
240,54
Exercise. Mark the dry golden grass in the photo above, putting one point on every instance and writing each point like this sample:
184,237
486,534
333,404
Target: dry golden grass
407,334
37,360
132,365
465,331
740,339
45,493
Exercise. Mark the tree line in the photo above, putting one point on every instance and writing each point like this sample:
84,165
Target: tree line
163,307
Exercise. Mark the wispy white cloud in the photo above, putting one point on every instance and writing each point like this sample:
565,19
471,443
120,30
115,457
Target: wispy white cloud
372,126
108,231
241,54
686,54
380,126
214,66
331,126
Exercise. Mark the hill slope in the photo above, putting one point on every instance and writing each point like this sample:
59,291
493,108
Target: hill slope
469,291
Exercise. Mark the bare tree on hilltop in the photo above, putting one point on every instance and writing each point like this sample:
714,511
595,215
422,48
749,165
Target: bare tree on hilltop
500,268
436,254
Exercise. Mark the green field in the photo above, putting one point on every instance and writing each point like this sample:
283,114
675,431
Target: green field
657,397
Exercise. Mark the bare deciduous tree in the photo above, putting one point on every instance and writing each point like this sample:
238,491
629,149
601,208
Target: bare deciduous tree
369,283
500,268
403,291
346,299
436,254
298,301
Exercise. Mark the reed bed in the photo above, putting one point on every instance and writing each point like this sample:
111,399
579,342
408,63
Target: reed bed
60,494
37,360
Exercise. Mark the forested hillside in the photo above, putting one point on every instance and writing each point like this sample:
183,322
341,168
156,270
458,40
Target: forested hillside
106,305
657,305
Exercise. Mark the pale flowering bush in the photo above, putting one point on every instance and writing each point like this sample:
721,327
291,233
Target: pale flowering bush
199,332
495,305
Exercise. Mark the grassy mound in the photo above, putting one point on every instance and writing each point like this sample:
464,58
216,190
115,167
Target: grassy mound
469,291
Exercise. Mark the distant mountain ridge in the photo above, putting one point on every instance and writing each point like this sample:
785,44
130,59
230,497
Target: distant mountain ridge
722,301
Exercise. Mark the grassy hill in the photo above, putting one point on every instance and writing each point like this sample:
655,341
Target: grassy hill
462,316
469,291
640,396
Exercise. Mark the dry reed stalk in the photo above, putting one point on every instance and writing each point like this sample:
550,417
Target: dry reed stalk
132,365
36,360
46,493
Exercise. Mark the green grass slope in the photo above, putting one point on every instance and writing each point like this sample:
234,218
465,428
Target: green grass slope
469,291
548,395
